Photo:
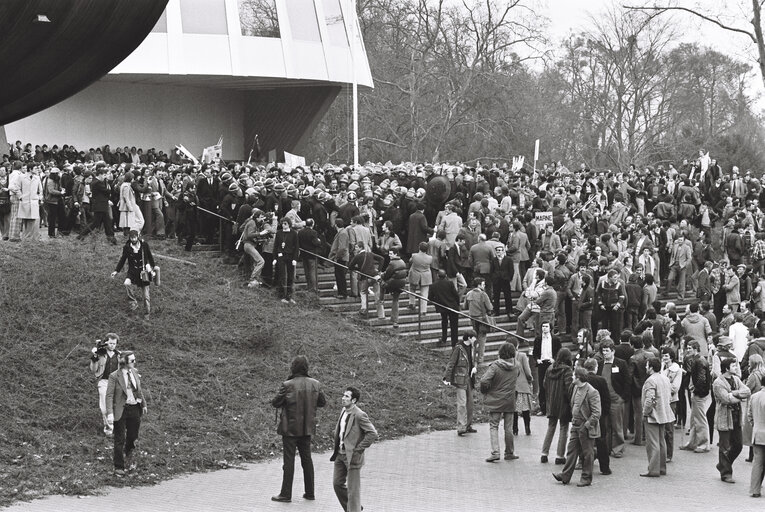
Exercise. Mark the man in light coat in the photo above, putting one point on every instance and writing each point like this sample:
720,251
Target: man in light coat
729,392
30,196
498,386
585,428
681,256
420,277
657,412
756,417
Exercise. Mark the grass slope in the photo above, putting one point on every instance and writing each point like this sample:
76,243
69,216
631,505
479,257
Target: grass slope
211,357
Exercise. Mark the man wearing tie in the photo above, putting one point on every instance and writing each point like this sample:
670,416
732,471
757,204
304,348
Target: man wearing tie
354,434
125,404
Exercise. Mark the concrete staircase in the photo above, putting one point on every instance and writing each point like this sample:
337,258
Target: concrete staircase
424,329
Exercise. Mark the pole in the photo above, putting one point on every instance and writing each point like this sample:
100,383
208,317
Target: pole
355,89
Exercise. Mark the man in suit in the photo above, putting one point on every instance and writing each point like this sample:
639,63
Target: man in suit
125,404
444,294
679,263
420,277
99,205
482,260
601,386
454,268
585,428
354,433
207,193
298,398
546,347
657,412
460,373
517,244
756,417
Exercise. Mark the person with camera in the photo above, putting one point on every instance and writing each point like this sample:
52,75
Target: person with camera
104,359
125,405
140,272
254,233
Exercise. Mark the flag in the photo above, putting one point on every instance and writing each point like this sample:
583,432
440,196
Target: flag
211,153
187,153
536,150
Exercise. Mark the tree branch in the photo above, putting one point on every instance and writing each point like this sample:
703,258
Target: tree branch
661,10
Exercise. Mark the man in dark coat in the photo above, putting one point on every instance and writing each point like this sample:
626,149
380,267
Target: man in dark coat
298,398
418,230
444,295
207,194
615,372
99,206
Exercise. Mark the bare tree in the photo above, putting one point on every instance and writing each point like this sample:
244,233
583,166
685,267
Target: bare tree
754,33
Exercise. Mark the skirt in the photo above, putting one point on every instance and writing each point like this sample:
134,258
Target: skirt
522,402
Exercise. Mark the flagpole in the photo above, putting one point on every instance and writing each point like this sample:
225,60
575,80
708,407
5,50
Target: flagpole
355,88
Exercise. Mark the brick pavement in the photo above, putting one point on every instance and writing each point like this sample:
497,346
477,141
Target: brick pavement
441,472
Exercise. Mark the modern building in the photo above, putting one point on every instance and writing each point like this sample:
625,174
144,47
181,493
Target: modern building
236,68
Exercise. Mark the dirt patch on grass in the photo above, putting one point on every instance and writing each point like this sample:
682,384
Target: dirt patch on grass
211,357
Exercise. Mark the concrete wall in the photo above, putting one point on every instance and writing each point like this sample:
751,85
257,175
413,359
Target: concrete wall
126,114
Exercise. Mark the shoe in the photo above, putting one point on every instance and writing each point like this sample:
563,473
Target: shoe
362,312
515,432
663,473
728,480
460,433
559,478
583,484
253,284
540,413
119,473
606,472
395,326
649,475
147,316
701,449
470,430
560,461
578,467
638,444
342,297
113,241
281,499
617,455
512,456
669,459
133,306
309,497
543,460
292,301
528,432
492,458
756,495
285,301
685,447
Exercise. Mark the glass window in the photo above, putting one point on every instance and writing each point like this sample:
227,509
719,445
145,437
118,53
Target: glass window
303,20
204,16
333,15
258,18
161,25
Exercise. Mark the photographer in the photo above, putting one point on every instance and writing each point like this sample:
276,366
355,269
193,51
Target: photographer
254,233
141,270
104,359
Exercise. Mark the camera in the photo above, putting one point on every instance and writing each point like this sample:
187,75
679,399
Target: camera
101,347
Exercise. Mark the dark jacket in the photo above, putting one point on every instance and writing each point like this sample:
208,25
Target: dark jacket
557,385
637,370
600,385
701,377
99,201
395,276
537,350
309,240
286,245
620,379
136,262
498,385
443,293
460,364
298,399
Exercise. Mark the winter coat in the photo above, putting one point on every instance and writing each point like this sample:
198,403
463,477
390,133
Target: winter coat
298,399
656,397
557,385
726,401
697,327
458,369
675,375
30,195
499,385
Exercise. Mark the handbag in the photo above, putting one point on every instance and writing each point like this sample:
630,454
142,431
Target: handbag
145,277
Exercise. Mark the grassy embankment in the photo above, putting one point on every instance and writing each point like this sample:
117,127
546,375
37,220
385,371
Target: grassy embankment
212,357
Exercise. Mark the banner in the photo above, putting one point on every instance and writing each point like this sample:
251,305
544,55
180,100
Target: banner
293,161
536,150
210,153
542,219
185,152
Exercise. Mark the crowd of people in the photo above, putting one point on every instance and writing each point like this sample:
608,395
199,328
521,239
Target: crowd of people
588,250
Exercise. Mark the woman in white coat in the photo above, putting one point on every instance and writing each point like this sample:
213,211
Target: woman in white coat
30,196
130,214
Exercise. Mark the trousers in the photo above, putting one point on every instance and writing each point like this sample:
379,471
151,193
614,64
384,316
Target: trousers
303,445
656,448
507,419
126,434
699,436
346,481
464,407
579,446
730,449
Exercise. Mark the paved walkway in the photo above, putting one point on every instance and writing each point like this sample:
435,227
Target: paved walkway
441,472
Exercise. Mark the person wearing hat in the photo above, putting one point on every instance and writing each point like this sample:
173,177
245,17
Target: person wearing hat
140,270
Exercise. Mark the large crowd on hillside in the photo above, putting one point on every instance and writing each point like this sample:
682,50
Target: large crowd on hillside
599,254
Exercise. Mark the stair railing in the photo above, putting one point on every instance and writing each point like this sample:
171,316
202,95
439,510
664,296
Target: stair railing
418,296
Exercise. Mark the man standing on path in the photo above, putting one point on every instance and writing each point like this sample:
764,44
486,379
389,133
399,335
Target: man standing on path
498,388
616,374
756,417
125,404
354,434
729,392
701,399
601,386
655,397
460,373
298,398
585,428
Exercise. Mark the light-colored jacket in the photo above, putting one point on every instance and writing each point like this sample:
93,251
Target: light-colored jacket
725,399
419,272
656,395
590,409
30,194
756,417
675,375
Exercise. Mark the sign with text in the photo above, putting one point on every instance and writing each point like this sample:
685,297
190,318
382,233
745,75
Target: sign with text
293,161
542,219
